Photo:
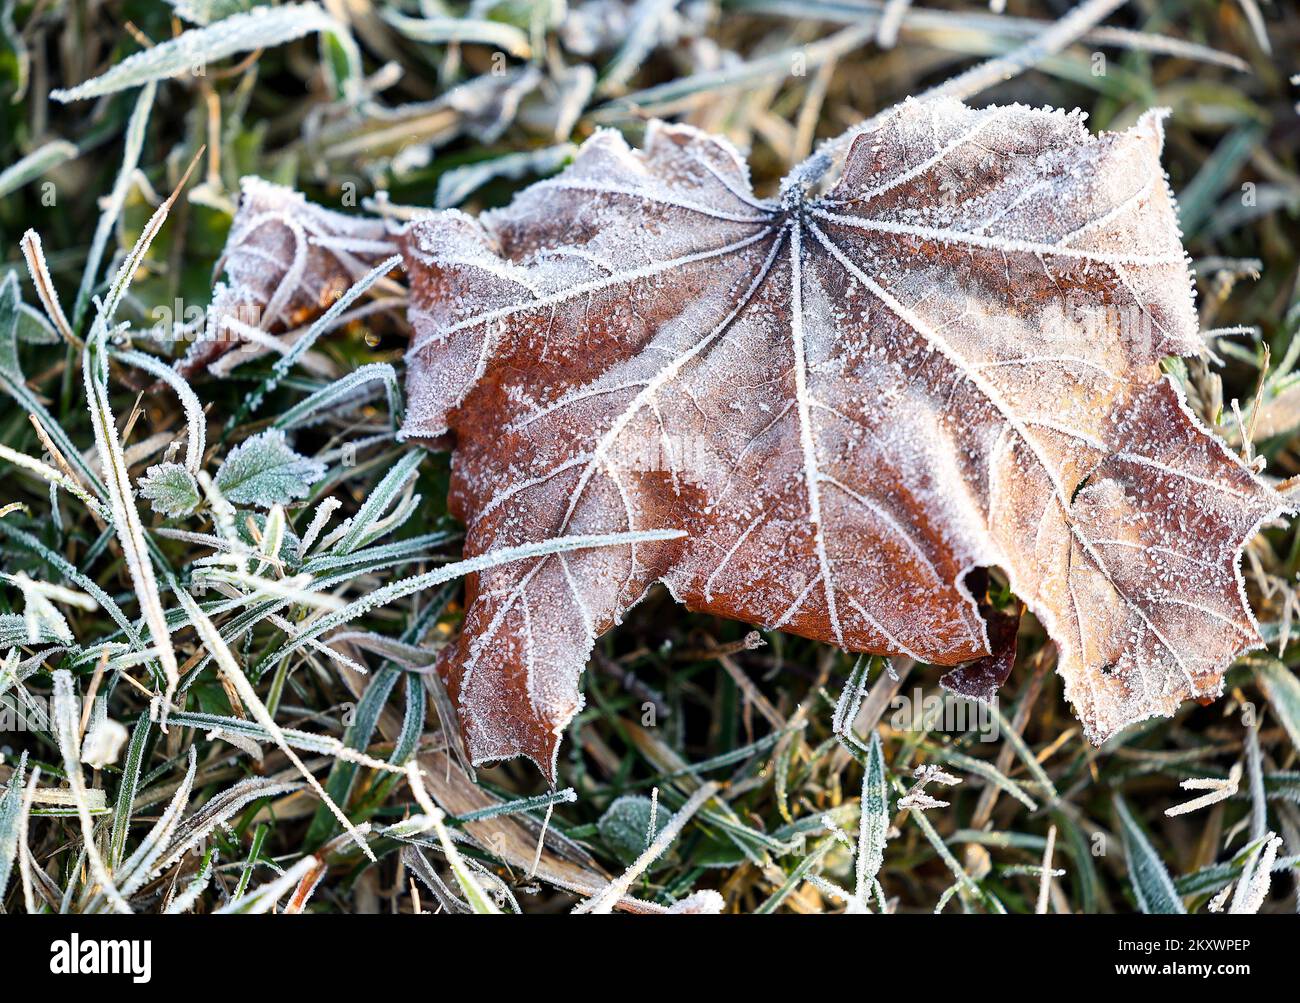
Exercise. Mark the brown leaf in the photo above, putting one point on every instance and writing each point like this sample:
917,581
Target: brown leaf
949,361
286,261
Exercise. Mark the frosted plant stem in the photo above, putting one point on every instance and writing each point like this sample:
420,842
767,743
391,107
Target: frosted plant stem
121,495
143,862
125,516
45,290
65,723
491,559
546,824
995,71
891,19
937,23
972,81
196,421
319,520
264,897
52,476
324,323
1255,773
131,263
1252,888
24,861
604,901
965,883
1220,790
135,138
245,31
1045,879
35,164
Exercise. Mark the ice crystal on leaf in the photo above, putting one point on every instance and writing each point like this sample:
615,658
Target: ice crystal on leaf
950,360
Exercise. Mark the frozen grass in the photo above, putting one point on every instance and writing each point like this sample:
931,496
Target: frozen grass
220,638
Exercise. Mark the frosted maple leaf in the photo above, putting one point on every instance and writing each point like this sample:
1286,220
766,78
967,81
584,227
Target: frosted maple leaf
951,360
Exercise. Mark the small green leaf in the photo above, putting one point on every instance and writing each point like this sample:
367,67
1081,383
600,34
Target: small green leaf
625,826
264,471
171,489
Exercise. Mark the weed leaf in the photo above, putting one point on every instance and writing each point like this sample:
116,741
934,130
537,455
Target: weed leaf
264,471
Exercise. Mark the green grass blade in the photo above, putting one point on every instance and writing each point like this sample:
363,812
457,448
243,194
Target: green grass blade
1152,886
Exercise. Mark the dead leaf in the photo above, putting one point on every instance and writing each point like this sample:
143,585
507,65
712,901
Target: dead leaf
949,361
914,232
286,261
